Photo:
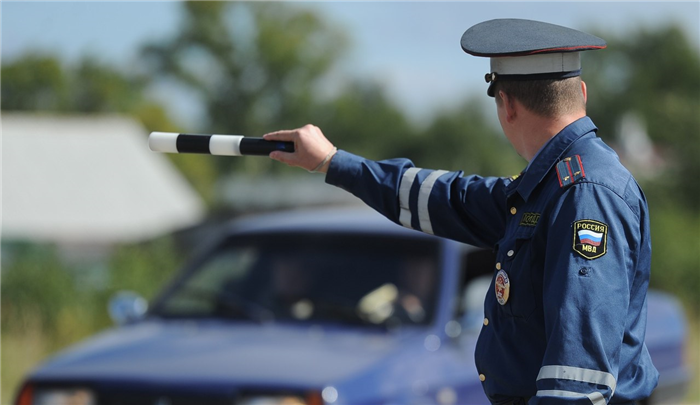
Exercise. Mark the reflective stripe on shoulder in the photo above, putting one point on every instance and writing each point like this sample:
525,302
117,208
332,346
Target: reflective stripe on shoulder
426,188
595,397
409,177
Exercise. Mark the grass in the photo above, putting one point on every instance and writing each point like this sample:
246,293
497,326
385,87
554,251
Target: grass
693,359
21,351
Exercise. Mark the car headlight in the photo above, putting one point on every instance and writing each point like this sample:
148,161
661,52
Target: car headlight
32,395
274,400
311,398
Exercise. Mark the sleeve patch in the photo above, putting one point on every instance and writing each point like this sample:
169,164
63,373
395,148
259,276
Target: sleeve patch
590,238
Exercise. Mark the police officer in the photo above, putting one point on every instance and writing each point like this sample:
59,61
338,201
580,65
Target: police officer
565,319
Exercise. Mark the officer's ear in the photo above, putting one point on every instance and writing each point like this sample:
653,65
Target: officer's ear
585,93
509,106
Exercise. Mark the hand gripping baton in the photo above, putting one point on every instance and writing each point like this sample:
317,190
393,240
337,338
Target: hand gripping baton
225,145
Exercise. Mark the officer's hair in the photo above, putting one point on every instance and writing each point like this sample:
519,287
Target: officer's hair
547,98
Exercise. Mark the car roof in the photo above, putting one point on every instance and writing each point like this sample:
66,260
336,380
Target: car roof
351,220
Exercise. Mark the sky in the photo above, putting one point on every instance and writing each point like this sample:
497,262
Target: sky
411,47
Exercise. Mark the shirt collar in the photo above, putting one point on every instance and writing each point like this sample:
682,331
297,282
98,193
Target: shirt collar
548,155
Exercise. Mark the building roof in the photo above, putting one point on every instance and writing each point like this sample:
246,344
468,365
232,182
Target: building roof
88,179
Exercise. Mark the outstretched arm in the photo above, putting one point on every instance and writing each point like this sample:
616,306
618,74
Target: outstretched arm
469,209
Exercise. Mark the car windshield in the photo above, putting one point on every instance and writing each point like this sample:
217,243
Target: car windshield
311,277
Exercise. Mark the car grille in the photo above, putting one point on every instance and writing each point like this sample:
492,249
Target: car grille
148,393
163,399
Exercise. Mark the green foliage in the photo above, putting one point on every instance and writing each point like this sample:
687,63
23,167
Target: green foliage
35,82
259,67
99,88
40,83
254,66
664,89
464,140
37,284
144,268
362,120
48,304
676,252
70,300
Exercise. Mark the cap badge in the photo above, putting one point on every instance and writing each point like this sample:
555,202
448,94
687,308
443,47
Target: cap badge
502,287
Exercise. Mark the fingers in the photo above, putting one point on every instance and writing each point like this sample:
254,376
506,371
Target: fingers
310,146
284,157
286,136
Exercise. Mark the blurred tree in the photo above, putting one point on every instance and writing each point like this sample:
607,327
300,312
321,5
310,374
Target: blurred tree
364,121
654,75
255,66
40,83
35,82
260,66
464,139
100,88
648,82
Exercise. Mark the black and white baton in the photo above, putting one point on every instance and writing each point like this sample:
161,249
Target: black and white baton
224,145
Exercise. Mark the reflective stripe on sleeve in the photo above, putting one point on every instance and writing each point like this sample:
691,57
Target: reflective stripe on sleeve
426,188
578,374
409,177
595,397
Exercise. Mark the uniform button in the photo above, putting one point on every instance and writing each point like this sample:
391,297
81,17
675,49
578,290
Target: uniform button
482,377
498,266
510,253
513,210
486,321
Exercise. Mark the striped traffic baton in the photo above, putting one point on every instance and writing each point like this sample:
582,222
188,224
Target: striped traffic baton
224,145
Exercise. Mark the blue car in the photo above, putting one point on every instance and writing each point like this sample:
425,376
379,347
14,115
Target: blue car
319,307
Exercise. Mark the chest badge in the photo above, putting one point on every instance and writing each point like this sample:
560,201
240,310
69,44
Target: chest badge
590,238
502,287
529,219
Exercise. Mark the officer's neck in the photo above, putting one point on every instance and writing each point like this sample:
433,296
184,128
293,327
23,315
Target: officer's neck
528,131
534,131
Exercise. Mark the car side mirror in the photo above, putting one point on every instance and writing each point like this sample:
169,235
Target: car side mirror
126,307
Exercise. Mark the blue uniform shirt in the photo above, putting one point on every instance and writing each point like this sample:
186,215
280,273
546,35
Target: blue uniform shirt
571,235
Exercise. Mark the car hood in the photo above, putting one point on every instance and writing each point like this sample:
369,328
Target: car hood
215,352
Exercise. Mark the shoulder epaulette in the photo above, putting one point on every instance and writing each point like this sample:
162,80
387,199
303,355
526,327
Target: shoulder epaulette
570,170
